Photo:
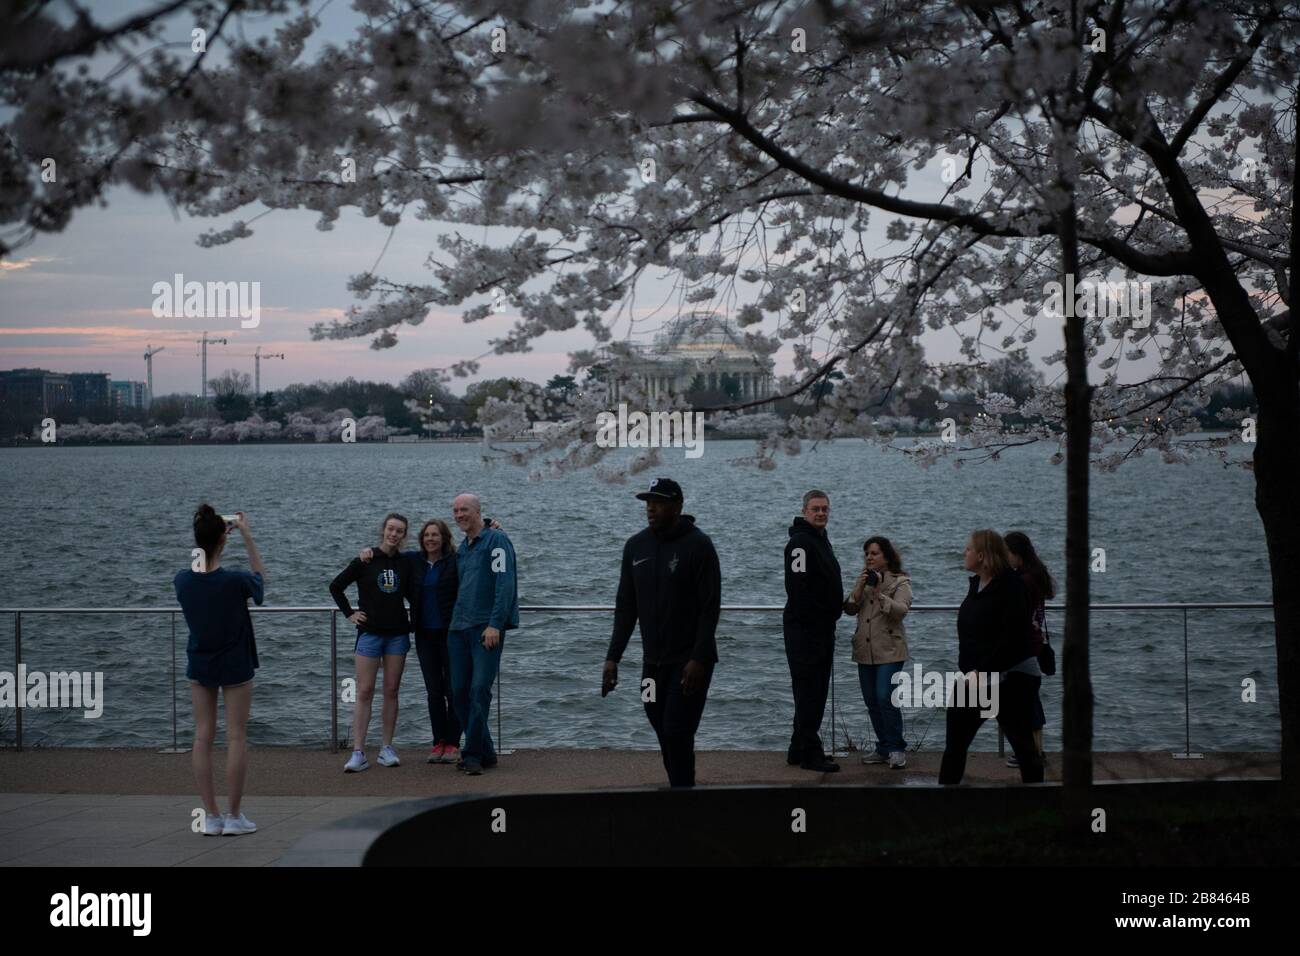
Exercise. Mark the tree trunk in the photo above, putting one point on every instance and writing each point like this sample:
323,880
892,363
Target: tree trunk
1076,705
1277,488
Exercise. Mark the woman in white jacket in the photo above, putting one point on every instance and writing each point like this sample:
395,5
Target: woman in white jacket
881,599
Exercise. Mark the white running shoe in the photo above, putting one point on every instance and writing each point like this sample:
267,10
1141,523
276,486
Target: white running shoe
357,763
388,757
237,826
871,756
898,760
214,824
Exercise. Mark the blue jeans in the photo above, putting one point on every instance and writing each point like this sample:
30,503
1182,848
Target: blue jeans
473,669
886,719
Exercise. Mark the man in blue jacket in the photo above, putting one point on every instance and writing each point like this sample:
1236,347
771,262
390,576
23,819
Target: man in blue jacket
487,605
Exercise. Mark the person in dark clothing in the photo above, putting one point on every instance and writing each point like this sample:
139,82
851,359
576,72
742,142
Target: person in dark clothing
814,602
992,640
222,656
383,632
671,583
432,601
1041,587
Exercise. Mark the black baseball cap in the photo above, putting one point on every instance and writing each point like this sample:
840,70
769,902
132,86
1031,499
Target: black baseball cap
664,489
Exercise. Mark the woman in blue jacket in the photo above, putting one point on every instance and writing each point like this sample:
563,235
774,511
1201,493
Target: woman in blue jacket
433,598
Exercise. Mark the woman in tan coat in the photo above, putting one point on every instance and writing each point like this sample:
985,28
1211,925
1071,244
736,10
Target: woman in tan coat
881,599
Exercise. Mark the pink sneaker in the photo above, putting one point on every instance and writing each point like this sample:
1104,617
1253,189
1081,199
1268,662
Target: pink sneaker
450,753
435,755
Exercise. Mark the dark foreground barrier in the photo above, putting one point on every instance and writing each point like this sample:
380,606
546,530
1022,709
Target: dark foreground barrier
762,825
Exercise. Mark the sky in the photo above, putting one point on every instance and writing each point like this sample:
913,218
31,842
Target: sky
80,300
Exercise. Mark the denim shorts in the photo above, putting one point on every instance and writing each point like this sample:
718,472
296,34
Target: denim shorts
377,645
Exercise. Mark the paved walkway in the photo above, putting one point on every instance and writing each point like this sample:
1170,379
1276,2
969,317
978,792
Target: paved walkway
70,807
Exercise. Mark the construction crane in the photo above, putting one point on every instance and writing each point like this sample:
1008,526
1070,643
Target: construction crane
149,353
203,343
257,357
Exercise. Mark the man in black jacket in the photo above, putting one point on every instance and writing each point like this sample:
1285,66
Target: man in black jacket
813,603
670,582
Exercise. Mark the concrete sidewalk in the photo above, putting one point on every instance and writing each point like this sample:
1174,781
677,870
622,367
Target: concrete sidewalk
93,807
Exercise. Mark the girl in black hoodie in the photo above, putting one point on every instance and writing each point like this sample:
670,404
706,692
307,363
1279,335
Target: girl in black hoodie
993,639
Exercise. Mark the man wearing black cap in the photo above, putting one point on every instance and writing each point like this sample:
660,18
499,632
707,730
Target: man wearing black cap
671,583
814,601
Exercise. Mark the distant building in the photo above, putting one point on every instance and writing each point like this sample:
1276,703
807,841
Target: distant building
699,350
25,392
91,391
129,395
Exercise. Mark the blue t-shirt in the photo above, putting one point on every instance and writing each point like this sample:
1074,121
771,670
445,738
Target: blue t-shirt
430,615
221,647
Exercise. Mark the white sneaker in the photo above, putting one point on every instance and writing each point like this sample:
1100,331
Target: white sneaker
213,825
237,826
871,756
898,760
357,763
388,757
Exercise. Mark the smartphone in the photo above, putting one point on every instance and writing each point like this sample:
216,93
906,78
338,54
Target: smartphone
230,520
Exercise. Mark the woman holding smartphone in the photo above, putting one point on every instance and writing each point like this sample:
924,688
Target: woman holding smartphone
881,599
383,634
221,657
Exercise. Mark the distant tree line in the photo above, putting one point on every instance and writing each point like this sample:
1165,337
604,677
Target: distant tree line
423,404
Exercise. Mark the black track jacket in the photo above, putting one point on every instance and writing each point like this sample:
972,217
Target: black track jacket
672,585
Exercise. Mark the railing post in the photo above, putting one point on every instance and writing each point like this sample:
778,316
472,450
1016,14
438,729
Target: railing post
334,681
22,683
175,747
1187,704
833,724
499,748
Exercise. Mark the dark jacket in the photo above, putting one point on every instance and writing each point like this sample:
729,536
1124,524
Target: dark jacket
382,584
446,590
1037,611
992,632
672,585
814,597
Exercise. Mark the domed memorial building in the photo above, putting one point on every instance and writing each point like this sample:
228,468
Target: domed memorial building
699,352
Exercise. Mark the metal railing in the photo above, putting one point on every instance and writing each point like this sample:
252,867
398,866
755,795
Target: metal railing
333,612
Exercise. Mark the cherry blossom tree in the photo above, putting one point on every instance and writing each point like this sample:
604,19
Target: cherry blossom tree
738,156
